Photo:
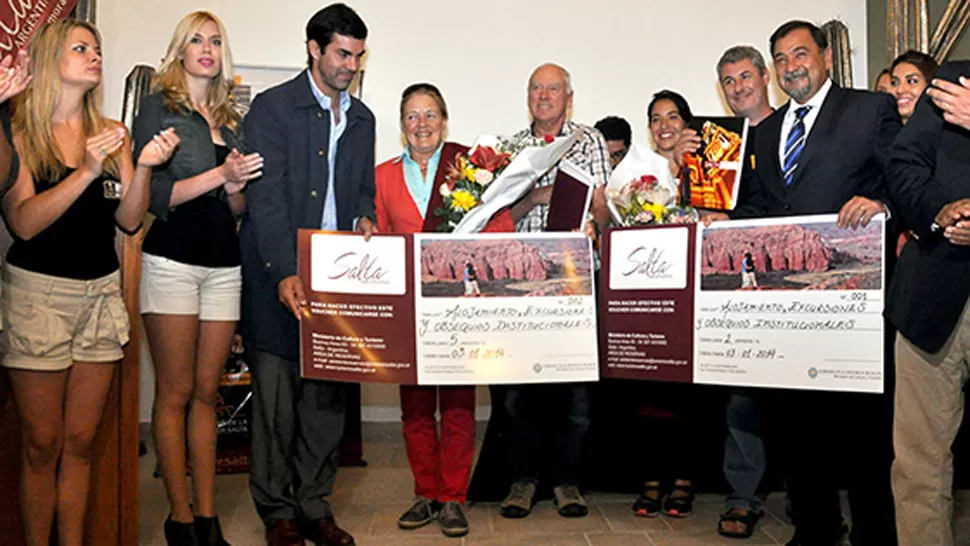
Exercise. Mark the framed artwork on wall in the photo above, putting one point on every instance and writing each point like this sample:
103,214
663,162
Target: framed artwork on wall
252,80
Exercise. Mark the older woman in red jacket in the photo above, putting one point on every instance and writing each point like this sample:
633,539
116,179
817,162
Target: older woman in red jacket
407,195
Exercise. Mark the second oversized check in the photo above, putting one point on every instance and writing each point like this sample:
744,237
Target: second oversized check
788,302
794,303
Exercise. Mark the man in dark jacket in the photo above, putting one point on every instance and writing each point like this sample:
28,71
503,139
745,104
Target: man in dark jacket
929,180
317,143
825,152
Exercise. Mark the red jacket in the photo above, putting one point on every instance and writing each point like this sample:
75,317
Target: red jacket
395,209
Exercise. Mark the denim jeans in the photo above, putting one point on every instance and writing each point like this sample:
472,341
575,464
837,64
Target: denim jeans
744,452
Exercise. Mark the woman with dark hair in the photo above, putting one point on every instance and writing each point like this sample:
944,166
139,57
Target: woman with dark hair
910,75
409,189
665,409
668,115
911,72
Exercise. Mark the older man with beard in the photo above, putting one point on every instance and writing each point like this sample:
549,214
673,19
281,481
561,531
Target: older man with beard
825,152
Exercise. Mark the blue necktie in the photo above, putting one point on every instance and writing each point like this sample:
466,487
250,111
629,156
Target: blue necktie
794,144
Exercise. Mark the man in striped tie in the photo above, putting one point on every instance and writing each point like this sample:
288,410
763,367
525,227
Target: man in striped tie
824,152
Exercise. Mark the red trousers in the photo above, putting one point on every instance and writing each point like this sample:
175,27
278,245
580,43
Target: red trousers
440,467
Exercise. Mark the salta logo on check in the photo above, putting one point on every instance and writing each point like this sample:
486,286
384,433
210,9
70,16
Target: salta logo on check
349,265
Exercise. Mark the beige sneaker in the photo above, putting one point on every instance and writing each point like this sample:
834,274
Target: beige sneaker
519,502
571,504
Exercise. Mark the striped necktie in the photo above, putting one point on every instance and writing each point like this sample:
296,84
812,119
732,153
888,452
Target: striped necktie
794,144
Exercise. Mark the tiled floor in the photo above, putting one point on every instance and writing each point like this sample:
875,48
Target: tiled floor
367,502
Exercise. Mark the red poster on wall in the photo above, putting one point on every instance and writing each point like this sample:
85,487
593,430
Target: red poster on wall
20,18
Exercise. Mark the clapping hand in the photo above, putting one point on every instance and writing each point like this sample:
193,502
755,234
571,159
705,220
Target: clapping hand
14,75
240,169
100,146
160,149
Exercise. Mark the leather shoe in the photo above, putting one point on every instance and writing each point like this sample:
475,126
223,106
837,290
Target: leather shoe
800,540
284,532
324,532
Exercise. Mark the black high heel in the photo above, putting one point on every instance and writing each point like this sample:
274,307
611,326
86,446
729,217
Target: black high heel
208,532
179,534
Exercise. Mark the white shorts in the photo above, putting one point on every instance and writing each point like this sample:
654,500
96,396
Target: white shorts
173,288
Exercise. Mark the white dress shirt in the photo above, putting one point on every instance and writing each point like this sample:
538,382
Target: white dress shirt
815,104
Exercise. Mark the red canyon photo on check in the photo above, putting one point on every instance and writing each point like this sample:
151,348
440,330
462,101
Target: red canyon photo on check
785,302
437,309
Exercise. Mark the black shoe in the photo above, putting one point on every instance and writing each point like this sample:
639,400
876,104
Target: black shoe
682,505
421,513
208,532
179,534
800,540
649,503
452,520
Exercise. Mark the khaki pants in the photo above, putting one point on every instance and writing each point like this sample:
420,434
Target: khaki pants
929,408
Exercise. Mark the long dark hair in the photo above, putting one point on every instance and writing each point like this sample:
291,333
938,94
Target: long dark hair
679,101
926,65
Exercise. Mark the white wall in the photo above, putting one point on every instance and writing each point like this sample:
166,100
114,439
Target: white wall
481,54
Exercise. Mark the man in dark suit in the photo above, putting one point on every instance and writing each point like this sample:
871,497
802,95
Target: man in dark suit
825,152
317,143
929,174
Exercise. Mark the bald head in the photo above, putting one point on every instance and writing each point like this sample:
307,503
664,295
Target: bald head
553,70
550,96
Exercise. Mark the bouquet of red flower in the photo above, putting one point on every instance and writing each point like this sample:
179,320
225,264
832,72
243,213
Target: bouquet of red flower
492,175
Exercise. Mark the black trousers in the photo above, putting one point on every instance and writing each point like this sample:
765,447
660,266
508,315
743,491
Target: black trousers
532,411
296,429
828,440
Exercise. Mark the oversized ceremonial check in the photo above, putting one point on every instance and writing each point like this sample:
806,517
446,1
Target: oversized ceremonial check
437,309
787,302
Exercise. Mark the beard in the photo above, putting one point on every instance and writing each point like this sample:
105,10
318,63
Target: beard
334,80
790,84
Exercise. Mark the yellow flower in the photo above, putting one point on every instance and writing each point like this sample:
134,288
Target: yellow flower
463,200
468,173
657,209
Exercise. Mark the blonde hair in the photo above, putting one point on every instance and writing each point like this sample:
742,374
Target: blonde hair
32,113
170,79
